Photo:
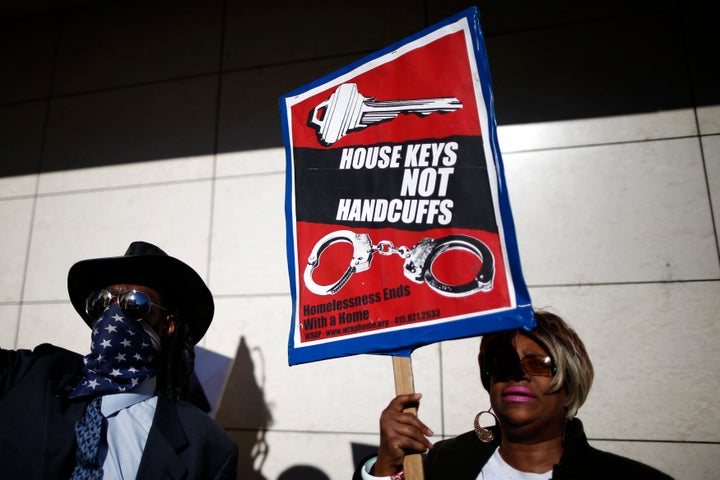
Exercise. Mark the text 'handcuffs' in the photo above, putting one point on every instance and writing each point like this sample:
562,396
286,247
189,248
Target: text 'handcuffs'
418,261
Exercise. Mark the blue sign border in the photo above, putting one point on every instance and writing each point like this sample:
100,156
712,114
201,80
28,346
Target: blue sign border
403,342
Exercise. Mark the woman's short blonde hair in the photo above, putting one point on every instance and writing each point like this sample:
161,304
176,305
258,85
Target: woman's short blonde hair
574,369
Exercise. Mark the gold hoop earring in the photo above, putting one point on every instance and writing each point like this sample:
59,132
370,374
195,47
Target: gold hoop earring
484,434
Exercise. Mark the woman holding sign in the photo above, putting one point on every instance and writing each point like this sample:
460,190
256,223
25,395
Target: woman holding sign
537,381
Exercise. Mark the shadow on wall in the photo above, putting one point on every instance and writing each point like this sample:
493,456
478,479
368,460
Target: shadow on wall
360,453
243,412
240,408
303,472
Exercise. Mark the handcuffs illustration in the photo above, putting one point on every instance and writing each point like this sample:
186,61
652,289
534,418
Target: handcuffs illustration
418,261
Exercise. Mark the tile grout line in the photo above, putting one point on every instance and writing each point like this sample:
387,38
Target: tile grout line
216,140
35,196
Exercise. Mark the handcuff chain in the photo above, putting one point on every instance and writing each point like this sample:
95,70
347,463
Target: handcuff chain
386,247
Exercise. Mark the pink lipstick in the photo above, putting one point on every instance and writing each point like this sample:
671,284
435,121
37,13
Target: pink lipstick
518,394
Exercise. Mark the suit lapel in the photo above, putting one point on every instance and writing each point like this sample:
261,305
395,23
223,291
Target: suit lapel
59,431
165,442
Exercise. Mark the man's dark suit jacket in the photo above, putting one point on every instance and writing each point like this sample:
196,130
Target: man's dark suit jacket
37,438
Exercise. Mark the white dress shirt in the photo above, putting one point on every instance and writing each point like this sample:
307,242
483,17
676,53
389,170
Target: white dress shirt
129,417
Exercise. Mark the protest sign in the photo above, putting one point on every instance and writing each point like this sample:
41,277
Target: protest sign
399,227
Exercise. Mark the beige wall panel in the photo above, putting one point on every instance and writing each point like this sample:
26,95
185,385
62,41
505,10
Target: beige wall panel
629,212
267,160
248,249
8,325
711,153
593,131
18,186
72,227
16,220
129,174
56,323
709,119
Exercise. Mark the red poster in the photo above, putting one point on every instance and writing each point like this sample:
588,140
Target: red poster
399,230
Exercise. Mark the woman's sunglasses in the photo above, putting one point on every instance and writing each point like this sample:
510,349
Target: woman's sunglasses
135,305
538,365
506,366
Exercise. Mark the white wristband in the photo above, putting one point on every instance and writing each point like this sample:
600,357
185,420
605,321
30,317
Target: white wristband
367,468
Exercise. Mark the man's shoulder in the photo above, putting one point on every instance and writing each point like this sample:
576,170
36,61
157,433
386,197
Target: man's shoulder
198,423
50,356
54,350
189,410
43,349
57,358
29,372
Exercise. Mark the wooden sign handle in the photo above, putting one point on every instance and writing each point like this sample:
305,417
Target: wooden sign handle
402,369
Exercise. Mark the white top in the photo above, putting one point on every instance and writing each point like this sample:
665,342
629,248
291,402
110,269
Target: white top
497,469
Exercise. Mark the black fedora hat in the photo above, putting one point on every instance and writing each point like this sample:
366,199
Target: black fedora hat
147,265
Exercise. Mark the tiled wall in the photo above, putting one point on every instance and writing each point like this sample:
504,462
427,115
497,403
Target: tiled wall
159,121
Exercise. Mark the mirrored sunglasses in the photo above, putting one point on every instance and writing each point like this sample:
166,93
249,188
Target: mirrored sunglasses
134,305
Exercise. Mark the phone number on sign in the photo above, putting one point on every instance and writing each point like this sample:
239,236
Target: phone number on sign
417,316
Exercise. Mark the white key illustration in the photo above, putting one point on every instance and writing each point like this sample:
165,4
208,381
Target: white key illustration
347,111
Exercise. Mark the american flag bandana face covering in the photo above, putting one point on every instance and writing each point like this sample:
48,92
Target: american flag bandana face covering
121,356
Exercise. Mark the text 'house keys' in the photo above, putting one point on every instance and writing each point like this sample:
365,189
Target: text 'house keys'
347,111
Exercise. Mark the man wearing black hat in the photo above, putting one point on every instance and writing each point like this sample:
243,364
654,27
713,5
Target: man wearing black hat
120,411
